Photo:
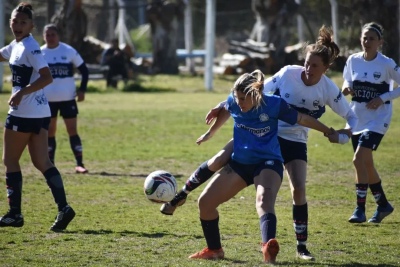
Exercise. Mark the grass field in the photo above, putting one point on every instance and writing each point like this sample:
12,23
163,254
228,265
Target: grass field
128,134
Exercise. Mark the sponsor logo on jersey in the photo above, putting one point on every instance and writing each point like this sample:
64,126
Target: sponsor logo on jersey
257,132
287,95
36,52
339,96
315,103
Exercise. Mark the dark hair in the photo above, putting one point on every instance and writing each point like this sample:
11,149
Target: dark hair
25,8
251,84
373,26
324,47
50,27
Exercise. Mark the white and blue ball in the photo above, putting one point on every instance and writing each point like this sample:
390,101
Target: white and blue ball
160,186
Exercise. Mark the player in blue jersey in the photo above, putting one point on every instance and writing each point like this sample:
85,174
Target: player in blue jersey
255,159
61,93
308,90
368,77
28,120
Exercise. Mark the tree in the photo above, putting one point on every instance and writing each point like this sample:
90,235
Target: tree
164,18
274,18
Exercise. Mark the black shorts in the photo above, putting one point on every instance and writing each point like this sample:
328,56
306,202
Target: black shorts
26,125
366,139
68,109
292,150
248,171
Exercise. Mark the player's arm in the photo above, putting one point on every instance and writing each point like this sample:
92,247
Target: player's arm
313,123
84,81
44,80
213,113
223,116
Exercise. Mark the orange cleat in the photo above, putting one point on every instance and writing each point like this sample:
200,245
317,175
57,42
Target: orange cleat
208,254
81,169
270,250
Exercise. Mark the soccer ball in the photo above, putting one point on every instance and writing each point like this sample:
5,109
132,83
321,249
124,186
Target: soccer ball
160,186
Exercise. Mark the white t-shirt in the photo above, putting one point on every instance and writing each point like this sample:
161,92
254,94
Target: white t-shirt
370,79
26,59
310,100
62,61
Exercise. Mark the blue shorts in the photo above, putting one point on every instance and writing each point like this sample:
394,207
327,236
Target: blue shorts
292,150
26,125
68,109
248,171
366,139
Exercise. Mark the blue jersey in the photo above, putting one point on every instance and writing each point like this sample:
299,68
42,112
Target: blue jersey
255,133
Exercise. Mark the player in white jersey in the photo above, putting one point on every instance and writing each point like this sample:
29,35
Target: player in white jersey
256,159
368,77
61,93
308,90
28,120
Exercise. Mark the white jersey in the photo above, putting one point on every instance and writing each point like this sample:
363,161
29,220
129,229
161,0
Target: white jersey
26,59
370,79
310,100
62,61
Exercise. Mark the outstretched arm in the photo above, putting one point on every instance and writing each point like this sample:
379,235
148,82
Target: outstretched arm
313,123
223,116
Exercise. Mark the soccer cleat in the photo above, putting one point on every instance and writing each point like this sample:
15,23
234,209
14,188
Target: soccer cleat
208,254
270,250
358,216
81,169
381,213
169,207
12,220
64,217
303,253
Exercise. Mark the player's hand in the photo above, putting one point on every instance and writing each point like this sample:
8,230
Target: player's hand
15,98
347,91
333,136
374,103
212,114
203,138
80,96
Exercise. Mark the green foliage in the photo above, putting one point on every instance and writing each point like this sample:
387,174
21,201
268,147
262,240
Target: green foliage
142,39
128,135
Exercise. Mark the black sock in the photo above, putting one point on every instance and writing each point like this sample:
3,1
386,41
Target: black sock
300,222
211,233
268,227
361,191
379,194
76,146
54,181
14,191
52,145
198,177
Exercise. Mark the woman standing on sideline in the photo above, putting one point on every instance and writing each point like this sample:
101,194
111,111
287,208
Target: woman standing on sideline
368,77
28,120
256,159
308,90
61,93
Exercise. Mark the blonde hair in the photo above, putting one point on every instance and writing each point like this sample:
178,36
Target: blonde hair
324,47
251,84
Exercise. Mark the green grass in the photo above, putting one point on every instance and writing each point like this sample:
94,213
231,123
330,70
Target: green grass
128,134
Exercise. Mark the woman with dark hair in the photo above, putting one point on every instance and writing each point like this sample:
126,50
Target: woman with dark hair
28,120
368,78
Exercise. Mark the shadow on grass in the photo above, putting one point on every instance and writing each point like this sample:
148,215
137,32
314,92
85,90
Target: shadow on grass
136,87
138,175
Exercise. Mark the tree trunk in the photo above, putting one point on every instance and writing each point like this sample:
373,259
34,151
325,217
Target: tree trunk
164,18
